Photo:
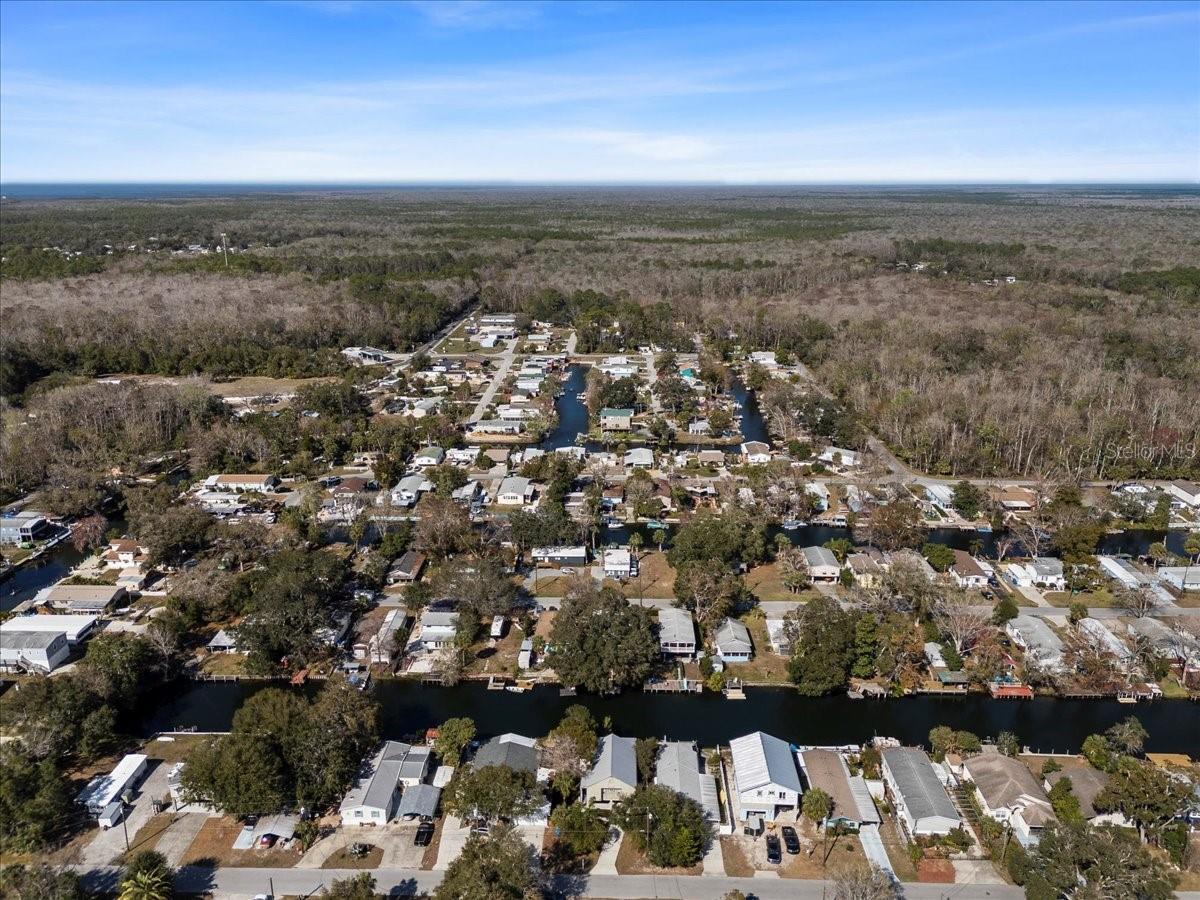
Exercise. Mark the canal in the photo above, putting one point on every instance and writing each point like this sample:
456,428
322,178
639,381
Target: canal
408,707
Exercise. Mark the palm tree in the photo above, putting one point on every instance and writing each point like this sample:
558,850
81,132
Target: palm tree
150,884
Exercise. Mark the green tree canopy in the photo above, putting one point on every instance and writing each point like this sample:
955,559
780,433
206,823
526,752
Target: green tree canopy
667,826
492,793
499,867
601,643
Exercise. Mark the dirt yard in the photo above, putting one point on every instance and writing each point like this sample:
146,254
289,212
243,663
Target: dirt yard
630,861
213,847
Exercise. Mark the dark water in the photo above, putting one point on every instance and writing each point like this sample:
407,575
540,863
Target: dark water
31,578
572,412
408,708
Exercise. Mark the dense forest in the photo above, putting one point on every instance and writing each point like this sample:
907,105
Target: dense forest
990,331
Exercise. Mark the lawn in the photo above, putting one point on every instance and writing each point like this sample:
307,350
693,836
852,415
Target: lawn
897,851
213,847
655,579
342,859
764,582
1097,598
765,667
500,659
222,665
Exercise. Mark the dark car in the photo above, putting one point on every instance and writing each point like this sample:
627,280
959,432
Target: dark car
790,841
774,857
424,835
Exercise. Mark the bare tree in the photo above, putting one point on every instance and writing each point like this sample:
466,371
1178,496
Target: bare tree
1138,602
1004,545
961,619
88,532
864,884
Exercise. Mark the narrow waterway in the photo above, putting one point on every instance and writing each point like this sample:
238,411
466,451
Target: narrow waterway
408,708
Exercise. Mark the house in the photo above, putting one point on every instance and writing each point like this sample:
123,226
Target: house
23,528
865,568
1182,578
778,637
1042,571
469,495
261,484
124,553
498,426
818,490
407,568
1186,492
1008,792
1014,499
916,560
103,791
559,556
409,489
916,793
428,456
1086,785
838,456
32,651
756,453
732,641
90,599
676,632
423,408
436,629
419,802
368,356
765,358
75,628
1123,572
711,457
616,419
940,495
699,427
1098,633
765,780
681,768
822,564
639,458
618,563
515,751
966,572
515,491
374,797
613,775
1037,639
525,654
852,803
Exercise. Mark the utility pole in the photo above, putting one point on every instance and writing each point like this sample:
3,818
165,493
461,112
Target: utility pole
124,826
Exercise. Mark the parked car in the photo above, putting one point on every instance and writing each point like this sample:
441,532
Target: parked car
267,841
790,840
774,857
424,835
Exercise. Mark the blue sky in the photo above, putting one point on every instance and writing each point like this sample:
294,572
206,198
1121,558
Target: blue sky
339,90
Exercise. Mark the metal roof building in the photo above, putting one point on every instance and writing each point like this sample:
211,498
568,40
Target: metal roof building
921,801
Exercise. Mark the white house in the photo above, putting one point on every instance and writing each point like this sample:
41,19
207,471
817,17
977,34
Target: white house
764,358
616,419
1186,492
23,527
263,484
1037,639
732,641
920,800
499,426
1099,634
560,556
1008,792
676,632
618,563
436,629
374,798
1182,578
765,780
75,628
408,490
778,637
428,456
32,651
839,456
639,458
104,791
1043,572
822,564
966,572
613,775
515,491
1123,572
756,453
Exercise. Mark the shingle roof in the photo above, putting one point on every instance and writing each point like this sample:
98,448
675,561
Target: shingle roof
820,556
760,759
1006,783
678,768
1086,784
419,800
824,769
512,750
377,785
732,635
617,759
675,626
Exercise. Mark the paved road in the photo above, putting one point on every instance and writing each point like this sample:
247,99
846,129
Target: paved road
245,883
506,359
652,377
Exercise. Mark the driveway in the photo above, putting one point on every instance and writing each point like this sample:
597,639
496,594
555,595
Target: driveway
108,844
872,844
454,838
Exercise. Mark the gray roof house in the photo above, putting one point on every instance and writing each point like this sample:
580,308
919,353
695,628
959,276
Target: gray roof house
732,640
822,564
613,775
765,780
676,632
373,799
1008,792
513,750
681,768
1037,639
852,803
920,800
419,802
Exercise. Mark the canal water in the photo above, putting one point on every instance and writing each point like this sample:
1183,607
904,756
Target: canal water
408,708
